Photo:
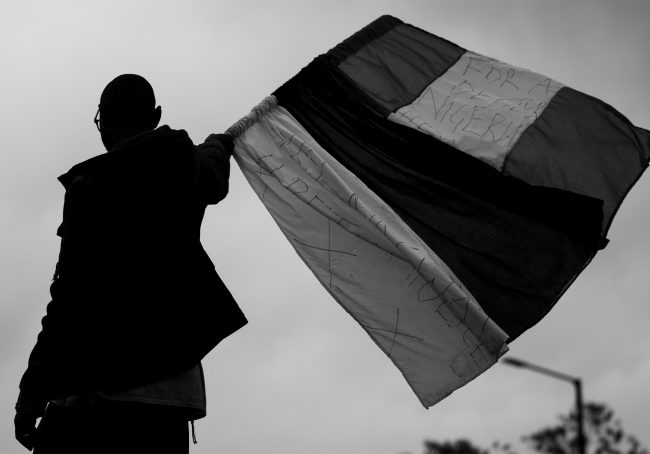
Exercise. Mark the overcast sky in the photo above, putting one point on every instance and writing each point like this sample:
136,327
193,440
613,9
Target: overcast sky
302,376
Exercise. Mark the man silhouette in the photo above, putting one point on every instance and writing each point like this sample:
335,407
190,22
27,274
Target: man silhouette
136,302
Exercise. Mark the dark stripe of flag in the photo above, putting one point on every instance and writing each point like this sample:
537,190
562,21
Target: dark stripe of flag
583,145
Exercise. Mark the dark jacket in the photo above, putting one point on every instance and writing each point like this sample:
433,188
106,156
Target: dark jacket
135,297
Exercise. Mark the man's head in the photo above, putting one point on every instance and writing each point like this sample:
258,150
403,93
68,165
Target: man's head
127,107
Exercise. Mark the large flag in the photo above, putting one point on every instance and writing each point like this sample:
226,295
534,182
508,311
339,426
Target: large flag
446,200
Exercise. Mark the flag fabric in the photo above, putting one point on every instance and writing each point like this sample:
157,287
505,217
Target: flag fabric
446,200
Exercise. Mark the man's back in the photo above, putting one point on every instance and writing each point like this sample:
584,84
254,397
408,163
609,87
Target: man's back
131,258
135,299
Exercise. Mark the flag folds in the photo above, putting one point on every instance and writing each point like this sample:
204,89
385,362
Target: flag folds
445,199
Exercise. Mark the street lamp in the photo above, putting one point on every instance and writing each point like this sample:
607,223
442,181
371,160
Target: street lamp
577,383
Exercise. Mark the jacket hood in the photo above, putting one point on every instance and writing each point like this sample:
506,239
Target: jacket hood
158,159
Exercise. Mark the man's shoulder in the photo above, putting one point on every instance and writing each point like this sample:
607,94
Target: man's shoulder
163,146
80,172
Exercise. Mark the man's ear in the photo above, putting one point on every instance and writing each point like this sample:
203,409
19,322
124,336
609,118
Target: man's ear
155,119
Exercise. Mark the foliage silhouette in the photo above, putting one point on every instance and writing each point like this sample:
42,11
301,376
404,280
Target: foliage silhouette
460,446
604,434
603,431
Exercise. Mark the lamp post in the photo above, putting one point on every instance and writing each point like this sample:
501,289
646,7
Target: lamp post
577,383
